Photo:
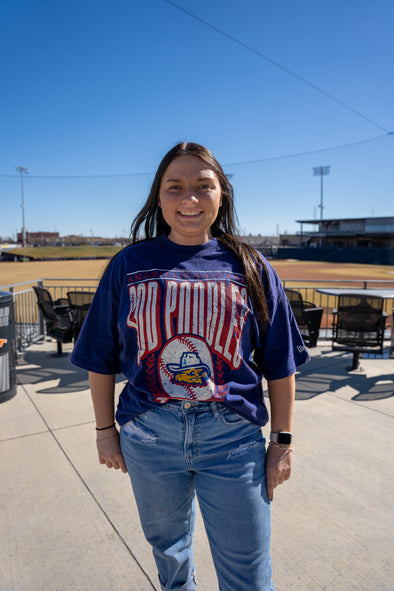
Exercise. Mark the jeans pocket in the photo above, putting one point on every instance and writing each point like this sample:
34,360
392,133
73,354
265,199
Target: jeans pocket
138,432
230,417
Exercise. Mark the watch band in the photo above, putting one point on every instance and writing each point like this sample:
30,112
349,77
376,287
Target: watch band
281,437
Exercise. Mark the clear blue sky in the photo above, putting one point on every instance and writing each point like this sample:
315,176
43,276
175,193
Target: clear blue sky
94,92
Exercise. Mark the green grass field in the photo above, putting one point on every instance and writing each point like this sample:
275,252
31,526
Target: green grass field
66,252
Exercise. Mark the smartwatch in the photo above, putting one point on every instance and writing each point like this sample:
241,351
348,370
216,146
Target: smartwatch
282,437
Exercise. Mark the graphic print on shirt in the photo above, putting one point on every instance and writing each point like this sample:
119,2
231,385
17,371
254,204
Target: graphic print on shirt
189,326
192,375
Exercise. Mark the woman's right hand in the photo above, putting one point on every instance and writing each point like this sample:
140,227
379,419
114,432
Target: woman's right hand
109,451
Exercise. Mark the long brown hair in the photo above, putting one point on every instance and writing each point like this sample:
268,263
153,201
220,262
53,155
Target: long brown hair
225,228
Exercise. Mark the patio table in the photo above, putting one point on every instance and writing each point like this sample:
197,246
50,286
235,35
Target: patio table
387,294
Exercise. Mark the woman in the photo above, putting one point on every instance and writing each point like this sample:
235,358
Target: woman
194,319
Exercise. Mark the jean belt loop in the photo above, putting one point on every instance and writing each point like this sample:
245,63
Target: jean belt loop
215,409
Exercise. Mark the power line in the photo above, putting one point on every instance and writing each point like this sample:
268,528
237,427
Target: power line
276,64
296,155
83,176
240,163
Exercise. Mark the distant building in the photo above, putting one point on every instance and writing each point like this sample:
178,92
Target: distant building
290,240
39,238
260,241
74,240
54,239
349,233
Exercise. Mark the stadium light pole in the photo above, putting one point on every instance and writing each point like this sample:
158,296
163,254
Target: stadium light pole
321,171
22,170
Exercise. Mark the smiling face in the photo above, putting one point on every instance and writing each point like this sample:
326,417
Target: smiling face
189,197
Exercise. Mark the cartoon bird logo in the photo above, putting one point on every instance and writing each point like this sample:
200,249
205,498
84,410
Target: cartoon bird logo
190,371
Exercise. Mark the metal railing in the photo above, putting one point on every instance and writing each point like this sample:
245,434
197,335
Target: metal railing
29,324
30,327
308,289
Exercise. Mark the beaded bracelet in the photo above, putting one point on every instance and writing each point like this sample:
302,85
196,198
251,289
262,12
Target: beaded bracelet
284,447
105,428
104,438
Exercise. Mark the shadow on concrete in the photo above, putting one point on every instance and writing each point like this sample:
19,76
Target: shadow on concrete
328,373
374,388
35,367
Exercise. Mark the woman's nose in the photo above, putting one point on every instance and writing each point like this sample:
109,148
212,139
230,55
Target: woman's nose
190,197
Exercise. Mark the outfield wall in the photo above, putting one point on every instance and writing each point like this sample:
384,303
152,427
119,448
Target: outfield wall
367,256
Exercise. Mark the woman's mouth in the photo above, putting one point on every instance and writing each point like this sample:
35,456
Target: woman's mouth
189,213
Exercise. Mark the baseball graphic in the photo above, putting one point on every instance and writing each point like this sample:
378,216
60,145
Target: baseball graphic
186,369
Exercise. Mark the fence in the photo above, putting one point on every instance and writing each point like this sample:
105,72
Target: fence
334,254
327,302
29,325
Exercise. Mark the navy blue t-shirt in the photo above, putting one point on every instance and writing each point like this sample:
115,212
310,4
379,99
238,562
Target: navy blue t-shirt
178,322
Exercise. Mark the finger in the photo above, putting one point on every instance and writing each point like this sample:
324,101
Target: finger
270,489
120,463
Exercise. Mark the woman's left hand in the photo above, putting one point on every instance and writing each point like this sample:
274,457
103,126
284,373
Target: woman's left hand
277,467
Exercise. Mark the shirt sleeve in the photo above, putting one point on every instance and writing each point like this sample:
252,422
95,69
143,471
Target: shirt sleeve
99,343
283,348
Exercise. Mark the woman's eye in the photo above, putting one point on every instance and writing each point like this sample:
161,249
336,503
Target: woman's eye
174,187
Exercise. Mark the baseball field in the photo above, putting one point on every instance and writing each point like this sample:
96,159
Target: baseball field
18,272
305,274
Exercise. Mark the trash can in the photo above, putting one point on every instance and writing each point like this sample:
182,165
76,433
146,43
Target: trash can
7,347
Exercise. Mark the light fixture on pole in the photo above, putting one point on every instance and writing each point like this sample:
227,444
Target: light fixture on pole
321,171
22,170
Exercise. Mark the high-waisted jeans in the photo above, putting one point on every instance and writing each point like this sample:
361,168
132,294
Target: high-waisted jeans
180,449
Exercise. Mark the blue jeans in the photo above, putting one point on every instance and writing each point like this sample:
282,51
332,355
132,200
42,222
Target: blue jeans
180,449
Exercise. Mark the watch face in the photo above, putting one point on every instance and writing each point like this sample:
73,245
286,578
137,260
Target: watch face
284,438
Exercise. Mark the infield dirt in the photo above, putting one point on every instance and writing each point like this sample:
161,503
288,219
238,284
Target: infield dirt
11,273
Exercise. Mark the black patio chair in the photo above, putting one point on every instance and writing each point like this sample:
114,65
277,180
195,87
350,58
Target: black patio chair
358,326
307,315
79,304
56,316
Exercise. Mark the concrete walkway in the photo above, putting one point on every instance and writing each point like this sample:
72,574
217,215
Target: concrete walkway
69,523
